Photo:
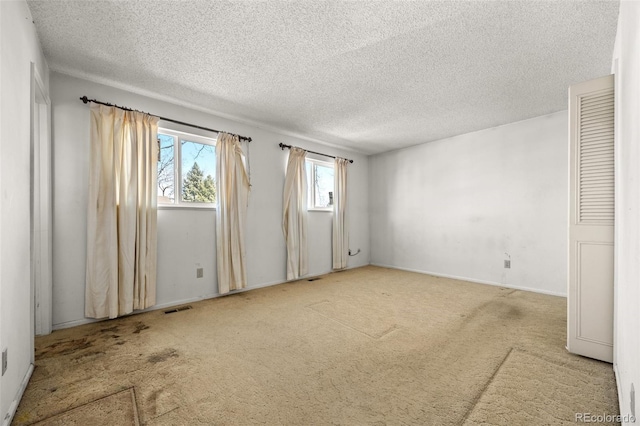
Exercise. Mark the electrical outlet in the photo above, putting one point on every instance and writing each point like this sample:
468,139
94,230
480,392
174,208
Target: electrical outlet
4,360
199,273
507,264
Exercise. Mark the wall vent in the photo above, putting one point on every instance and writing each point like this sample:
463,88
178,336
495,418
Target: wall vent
596,158
314,279
181,308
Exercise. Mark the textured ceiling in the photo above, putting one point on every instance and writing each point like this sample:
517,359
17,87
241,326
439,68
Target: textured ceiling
365,75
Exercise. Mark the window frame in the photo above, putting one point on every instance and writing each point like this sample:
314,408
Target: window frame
178,137
311,192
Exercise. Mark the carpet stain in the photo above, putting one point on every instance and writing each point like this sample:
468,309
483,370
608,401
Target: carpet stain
99,342
513,313
493,310
139,326
159,402
88,355
65,347
162,355
508,293
152,402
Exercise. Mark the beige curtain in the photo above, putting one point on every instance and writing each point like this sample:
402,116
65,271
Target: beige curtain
232,185
122,212
340,225
294,220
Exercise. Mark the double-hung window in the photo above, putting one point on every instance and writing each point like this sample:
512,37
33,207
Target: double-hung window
186,169
319,184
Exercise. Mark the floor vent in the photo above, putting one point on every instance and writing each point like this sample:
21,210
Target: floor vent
181,308
314,279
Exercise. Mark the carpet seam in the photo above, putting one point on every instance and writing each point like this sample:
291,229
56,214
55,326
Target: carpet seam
136,411
486,386
556,362
79,406
163,414
388,331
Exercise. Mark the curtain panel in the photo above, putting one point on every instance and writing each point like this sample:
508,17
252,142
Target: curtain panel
232,186
122,212
294,220
340,238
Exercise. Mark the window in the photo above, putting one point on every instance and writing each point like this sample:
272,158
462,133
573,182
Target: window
319,184
186,169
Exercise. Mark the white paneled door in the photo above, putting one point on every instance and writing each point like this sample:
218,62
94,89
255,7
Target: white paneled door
591,219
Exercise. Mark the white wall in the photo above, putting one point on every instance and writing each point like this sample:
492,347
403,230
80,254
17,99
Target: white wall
19,48
626,65
186,238
3,406
454,207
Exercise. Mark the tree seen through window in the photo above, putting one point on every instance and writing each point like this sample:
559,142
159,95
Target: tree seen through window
186,166
198,170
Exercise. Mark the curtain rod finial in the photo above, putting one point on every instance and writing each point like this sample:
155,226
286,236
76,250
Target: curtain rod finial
84,99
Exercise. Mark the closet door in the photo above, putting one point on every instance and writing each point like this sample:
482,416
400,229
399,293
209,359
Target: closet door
591,219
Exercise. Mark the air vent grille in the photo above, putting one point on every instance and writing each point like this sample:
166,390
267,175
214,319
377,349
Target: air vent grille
179,309
596,159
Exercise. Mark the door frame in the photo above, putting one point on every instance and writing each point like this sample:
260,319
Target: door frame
41,277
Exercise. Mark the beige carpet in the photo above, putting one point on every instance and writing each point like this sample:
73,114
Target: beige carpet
547,383
365,346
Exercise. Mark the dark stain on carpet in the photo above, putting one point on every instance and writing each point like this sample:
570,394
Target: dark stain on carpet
139,327
493,310
162,355
64,347
86,356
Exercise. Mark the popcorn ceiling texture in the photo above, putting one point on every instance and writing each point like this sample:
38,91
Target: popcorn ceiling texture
369,76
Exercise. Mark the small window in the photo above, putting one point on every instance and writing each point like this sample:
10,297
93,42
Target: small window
319,184
186,169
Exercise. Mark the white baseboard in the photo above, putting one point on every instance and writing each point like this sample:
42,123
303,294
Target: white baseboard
14,404
83,321
173,303
74,323
473,280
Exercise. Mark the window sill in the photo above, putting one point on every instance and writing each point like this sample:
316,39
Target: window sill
320,210
184,207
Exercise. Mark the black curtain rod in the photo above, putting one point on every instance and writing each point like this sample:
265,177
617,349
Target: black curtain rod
85,100
283,146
